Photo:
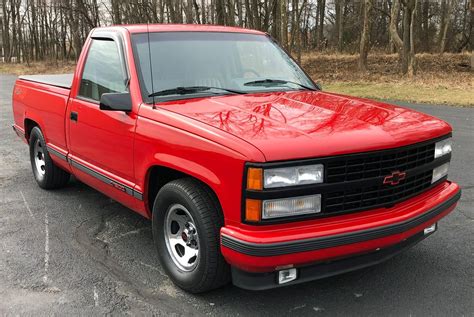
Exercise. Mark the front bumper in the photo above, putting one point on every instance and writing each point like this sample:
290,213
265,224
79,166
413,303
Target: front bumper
259,251
262,281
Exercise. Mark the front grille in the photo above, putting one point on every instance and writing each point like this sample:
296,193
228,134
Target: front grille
348,168
379,195
377,164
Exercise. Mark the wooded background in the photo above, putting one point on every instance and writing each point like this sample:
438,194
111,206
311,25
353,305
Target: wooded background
35,30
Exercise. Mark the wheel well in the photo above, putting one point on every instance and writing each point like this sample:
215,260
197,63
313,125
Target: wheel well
160,176
29,125
157,178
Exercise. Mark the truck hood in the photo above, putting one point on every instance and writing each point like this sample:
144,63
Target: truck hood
304,124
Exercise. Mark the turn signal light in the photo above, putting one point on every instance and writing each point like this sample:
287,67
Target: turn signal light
255,178
253,210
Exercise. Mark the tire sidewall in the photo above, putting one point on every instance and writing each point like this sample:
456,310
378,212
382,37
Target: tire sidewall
37,135
164,200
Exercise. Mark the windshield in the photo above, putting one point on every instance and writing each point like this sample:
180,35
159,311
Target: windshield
224,62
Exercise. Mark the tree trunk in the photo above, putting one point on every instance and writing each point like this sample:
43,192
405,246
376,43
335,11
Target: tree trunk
276,27
6,33
322,13
284,22
293,31
339,24
445,24
406,38
411,56
196,11
220,12
402,46
396,40
1,46
365,35
257,17
20,33
203,12
189,12
14,42
425,32
116,16
75,32
172,11
231,13
471,35
240,13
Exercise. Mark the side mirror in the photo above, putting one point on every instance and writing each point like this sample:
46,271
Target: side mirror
116,102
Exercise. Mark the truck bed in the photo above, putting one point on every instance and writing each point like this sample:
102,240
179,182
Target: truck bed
60,80
43,99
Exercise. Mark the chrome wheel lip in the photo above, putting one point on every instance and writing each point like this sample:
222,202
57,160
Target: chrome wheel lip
186,255
39,162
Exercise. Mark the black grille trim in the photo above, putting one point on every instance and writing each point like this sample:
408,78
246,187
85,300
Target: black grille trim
378,164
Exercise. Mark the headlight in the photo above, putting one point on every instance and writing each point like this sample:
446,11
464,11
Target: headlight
443,147
290,176
440,172
294,206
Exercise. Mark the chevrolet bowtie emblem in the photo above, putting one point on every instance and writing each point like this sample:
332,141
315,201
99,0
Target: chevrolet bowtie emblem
395,178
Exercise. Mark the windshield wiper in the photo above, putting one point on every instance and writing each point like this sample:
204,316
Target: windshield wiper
191,90
276,82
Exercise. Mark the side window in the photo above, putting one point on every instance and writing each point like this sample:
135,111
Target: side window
103,71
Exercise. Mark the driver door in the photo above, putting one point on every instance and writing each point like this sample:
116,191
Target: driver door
101,142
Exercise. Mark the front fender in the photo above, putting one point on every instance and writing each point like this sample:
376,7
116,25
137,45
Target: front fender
219,167
187,166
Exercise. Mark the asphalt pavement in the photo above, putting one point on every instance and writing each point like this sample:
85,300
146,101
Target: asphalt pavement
74,251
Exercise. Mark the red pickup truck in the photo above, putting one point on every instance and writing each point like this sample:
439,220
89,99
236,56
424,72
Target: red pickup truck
248,171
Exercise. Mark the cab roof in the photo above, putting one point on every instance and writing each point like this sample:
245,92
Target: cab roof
140,28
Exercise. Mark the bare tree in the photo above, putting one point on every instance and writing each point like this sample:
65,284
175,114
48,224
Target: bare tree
276,28
405,47
365,35
471,35
57,29
284,23
220,12
447,10
322,14
339,31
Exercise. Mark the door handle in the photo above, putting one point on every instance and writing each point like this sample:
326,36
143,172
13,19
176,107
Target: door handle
73,116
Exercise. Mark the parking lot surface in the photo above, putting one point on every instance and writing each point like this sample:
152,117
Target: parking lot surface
74,251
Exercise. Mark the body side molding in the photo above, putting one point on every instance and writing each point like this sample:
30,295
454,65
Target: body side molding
118,185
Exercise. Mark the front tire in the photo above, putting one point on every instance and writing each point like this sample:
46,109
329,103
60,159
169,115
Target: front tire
46,173
186,228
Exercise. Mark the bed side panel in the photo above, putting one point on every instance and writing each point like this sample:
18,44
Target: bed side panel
44,104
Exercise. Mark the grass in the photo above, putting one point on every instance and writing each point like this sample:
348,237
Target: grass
441,79
405,92
59,67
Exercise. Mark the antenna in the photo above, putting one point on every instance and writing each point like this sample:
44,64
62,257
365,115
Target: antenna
151,65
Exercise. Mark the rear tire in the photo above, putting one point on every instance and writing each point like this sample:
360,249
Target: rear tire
46,173
186,229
